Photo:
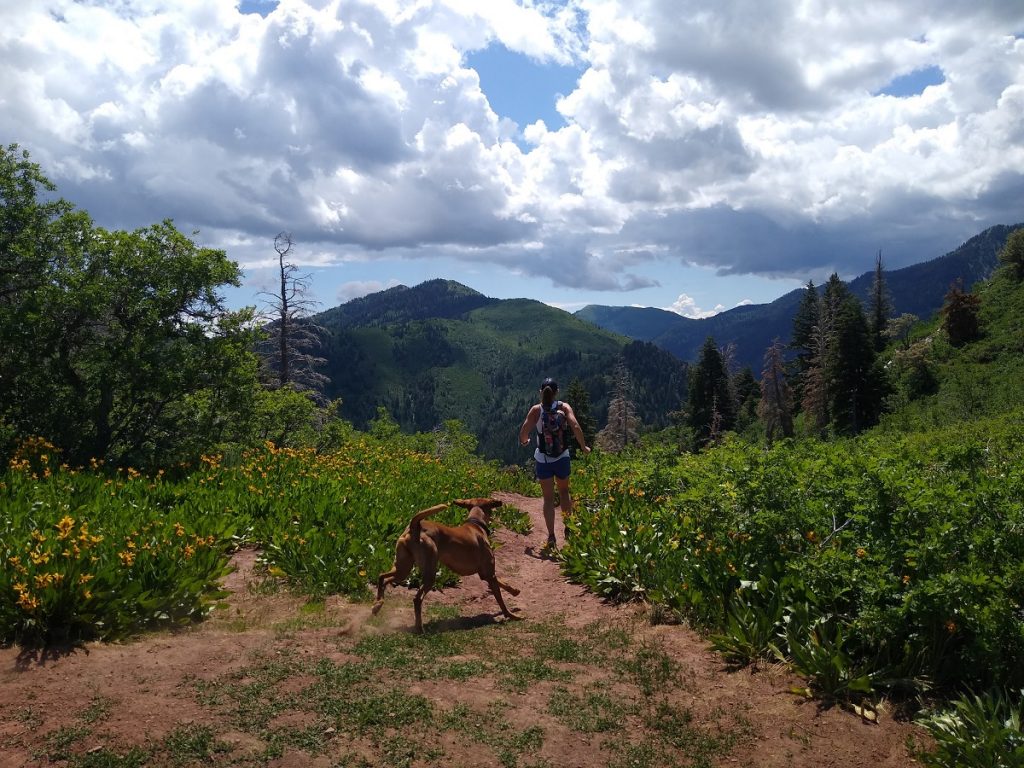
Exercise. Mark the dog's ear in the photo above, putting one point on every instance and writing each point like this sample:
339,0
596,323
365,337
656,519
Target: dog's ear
489,504
465,503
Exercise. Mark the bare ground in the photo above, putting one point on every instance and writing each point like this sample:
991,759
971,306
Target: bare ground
75,706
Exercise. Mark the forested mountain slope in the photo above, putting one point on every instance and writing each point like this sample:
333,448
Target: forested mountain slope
918,289
440,351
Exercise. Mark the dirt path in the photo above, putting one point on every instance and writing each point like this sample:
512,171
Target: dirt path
101,701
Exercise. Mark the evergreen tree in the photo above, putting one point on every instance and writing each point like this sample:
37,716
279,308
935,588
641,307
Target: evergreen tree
880,308
711,410
748,394
802,341
776,406
623,424
813,385
854,391
578,397
804,322
835,293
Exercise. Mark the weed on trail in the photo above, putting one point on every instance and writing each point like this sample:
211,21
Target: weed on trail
517,695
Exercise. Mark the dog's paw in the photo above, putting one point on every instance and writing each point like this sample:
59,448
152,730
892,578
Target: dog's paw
376,607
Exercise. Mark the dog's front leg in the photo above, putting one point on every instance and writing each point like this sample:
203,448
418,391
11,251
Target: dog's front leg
496,586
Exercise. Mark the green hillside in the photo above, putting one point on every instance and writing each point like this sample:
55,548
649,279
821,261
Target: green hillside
442,351
938,384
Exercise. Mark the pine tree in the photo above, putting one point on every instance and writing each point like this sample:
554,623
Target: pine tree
711,410
880,308
854,389
814,397
802,341
748,394
776,406
623,424
578,397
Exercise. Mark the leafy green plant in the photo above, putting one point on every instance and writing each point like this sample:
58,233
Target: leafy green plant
978,731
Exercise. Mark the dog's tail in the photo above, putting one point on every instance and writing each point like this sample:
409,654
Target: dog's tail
414,524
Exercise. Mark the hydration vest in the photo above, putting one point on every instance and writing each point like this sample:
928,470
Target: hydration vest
552,439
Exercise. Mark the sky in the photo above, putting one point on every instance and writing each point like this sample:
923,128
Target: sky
686,155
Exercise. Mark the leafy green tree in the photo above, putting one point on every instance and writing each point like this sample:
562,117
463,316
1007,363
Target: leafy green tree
33,232
879,307
115,345
1012,254
710,407
899,328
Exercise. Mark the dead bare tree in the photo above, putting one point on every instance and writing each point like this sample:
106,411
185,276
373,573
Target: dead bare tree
287,351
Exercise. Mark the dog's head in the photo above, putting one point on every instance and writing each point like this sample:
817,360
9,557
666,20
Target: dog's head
484,505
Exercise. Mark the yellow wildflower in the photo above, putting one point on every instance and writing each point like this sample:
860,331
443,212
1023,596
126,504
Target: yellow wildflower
127,558
64,527
39,558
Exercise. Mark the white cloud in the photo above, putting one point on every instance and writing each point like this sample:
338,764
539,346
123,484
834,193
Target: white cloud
687,307
355,289
744,136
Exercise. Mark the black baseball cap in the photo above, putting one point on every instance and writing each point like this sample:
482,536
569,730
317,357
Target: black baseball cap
549,382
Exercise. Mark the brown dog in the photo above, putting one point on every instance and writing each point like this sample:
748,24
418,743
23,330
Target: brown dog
465,549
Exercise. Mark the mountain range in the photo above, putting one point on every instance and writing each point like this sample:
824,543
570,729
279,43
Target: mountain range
918,289
440,350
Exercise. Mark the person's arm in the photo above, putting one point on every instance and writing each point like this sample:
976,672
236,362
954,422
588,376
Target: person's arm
529,423
577,430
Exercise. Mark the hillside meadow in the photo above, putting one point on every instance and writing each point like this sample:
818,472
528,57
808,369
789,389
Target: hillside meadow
880,569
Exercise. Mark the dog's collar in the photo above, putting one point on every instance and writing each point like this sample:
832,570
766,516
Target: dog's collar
481,523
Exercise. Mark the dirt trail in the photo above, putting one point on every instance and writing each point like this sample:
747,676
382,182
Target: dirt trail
143,688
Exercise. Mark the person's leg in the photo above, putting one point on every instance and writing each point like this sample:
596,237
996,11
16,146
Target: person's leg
566,501
547,486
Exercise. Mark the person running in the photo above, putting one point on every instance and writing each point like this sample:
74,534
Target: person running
550,421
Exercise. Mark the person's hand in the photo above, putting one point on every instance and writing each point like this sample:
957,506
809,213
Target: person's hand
525,442
586,449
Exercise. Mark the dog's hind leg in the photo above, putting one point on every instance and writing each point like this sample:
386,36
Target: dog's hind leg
400,571
428,575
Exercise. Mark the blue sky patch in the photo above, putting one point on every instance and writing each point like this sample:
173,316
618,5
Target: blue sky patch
519,88
914,82
262,7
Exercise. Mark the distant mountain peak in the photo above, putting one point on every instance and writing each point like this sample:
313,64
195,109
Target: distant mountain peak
437,298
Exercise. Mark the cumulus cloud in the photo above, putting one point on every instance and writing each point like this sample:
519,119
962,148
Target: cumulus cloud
748,137
687,307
